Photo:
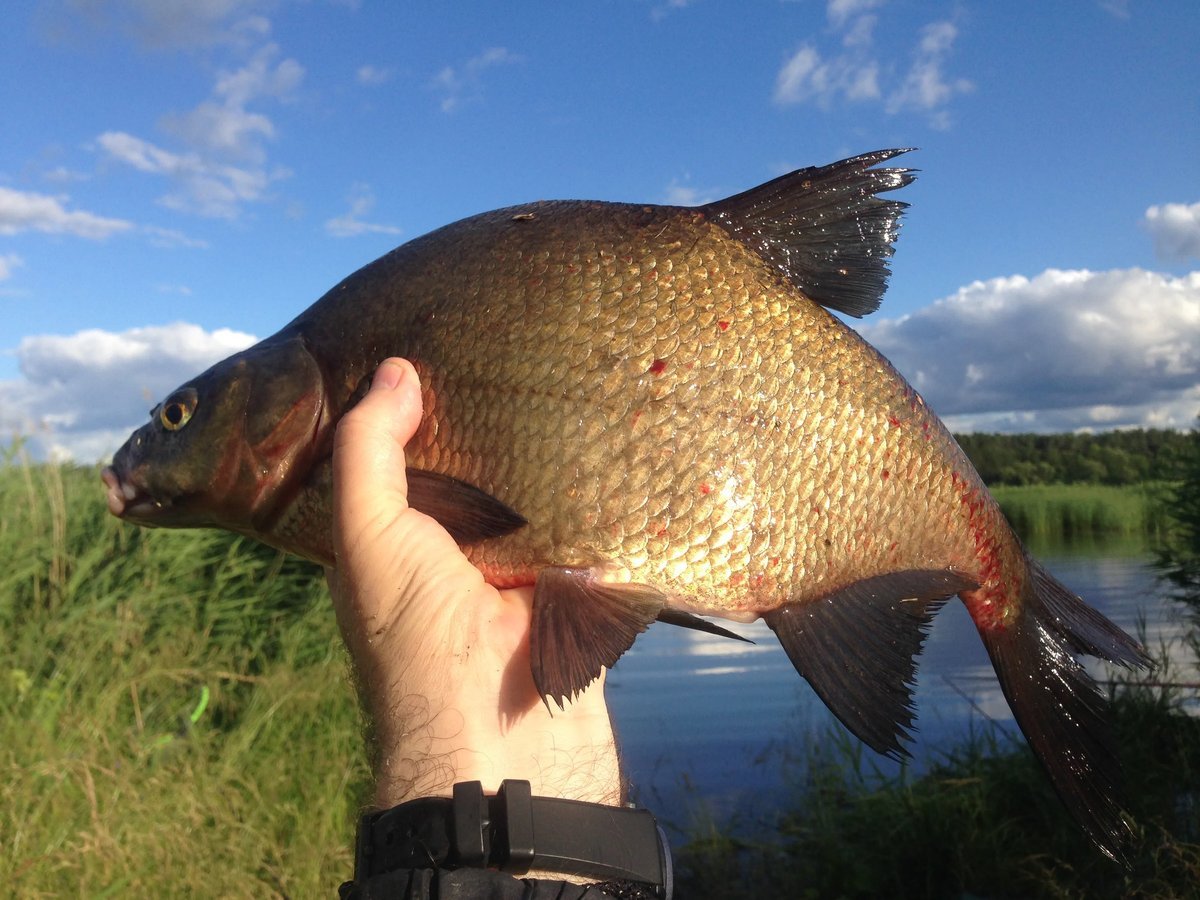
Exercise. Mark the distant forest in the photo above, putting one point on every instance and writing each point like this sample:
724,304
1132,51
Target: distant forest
1113,457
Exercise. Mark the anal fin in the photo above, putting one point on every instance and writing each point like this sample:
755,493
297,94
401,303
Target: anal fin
582,625
858,646
468,513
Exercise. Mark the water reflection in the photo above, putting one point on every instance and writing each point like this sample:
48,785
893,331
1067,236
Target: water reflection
719,724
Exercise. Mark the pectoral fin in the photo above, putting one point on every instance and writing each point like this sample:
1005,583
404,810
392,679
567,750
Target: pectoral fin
582,625
858,647
469,514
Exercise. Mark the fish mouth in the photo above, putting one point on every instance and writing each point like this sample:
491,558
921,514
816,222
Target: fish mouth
126,500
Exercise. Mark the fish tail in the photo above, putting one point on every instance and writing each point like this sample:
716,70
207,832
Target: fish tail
1058,705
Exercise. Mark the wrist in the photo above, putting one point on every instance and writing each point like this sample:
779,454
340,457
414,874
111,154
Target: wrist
422,752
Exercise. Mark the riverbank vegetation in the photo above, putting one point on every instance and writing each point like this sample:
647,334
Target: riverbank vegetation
176,720
175,716
1134,456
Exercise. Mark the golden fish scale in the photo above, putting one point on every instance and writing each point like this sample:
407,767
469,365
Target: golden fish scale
653,397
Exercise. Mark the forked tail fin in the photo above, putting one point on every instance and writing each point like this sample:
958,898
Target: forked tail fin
1058,705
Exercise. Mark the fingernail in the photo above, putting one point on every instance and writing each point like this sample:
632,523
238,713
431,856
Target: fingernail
388,375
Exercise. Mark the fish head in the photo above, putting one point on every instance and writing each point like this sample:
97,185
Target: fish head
227,449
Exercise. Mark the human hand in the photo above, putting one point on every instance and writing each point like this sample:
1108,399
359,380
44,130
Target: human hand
442,657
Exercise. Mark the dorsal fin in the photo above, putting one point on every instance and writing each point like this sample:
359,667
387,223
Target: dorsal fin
824,228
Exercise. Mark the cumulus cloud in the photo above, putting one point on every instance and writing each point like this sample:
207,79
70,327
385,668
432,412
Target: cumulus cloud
26,211
1060,351
223,164
855,72
458,84
1175,228
350,223
79,396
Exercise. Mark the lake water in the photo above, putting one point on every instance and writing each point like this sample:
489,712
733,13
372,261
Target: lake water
714,727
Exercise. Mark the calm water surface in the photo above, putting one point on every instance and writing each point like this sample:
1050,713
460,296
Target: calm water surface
713,727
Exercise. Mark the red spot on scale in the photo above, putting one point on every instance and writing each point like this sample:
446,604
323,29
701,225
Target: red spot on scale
894,421
723,325
886,474
658,366
706,488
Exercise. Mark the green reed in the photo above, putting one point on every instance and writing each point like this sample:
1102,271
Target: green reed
176,716
1068,511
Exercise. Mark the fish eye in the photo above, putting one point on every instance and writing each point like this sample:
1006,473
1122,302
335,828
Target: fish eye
177,410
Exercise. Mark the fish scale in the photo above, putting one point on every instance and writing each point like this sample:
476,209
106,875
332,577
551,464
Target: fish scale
649,412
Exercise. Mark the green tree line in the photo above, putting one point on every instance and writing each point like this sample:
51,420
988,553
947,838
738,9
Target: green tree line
1113,457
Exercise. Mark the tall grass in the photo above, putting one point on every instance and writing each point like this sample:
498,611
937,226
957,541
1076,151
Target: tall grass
175,717
1047,511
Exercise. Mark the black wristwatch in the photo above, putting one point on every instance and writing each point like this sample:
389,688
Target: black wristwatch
514,832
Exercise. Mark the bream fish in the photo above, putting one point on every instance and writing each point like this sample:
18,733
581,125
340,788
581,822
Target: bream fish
649,412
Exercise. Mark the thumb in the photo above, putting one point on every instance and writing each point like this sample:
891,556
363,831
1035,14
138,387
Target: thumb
368,452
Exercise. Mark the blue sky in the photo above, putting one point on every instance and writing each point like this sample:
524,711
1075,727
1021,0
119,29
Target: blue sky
178,178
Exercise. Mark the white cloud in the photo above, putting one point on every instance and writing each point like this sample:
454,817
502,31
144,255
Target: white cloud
80,395
855,71
261,77
1117,8
1059,351
678,194
224,163
660,11
807,76
25,211
63,175
227,131
205,186
926,88
170,237
8,262
842,12
373,75
463,83
350,223
1175,228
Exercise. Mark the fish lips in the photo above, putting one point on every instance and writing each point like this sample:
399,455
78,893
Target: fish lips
128,501
130,497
